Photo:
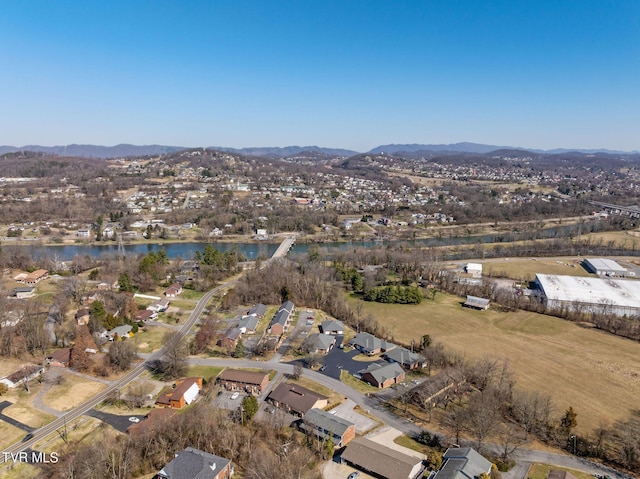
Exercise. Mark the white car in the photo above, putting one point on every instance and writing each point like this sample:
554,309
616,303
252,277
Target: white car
235,396
134,419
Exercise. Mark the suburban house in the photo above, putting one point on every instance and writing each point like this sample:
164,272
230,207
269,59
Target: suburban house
153,420
59,358
22,375
120,332
332,326
173,291
34,278
23,292
295,399
368,344
185,392
258,310
248,381
404,358
159,306
229,339
325,426
82,317
319,343
146,315
281,320
196,464
248,324
381,461
477,303
382,375
463,463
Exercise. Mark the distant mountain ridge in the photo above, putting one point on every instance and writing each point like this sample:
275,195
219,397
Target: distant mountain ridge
415,149
95,151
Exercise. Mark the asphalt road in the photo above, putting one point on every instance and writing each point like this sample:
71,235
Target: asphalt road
85,407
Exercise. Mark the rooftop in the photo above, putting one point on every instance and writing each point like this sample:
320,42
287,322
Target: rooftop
618,292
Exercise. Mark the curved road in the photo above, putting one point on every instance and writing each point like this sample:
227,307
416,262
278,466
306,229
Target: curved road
117,385
524,457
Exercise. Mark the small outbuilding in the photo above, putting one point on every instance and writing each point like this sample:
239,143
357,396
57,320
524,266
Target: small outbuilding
475,302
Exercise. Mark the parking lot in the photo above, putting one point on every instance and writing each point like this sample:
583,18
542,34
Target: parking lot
224,400
337,360
347,411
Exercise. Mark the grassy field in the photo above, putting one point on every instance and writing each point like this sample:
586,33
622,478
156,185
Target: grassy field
595,372
151,339
334,397
409,443
71,393
10,434
525,269
625,239
356,384
206,372
541,471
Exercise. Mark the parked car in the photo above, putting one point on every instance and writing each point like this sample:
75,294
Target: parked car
323,367
134,419
235,396
353,475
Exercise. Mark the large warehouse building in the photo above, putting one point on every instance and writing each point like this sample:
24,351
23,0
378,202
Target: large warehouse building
605,267
590,295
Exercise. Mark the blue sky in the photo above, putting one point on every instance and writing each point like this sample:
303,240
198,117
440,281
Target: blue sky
346,73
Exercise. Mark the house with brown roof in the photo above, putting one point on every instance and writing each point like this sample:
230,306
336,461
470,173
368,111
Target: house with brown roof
22,375
185,392
59,358
173,290
34,278
146,315
295,399
153,421
381,461
83,316
238,380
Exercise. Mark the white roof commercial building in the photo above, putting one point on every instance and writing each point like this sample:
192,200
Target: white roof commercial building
590,295
605,267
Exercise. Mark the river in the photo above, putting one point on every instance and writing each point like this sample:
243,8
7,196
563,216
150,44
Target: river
253,251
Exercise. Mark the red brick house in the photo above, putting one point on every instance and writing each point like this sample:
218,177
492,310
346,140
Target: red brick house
59,358
174,290
238,380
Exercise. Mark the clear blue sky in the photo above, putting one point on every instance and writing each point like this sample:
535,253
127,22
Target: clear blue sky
343,73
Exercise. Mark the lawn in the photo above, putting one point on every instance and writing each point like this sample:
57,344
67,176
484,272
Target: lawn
526,269
190,294
357,384
151,339
409,443
10,434
206,372
541,471
72,392
334,397
595,372
24,411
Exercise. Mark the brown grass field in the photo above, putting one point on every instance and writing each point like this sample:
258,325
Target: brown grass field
525,269
595,372
72,392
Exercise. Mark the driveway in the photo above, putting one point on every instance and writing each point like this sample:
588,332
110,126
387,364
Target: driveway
347,411
120,423
12,421
224,401
335,470
337,360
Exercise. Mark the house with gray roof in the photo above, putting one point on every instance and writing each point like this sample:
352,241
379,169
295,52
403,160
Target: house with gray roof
319,343
381,461
404,358
258,310
196,464
368,344
123,332
332,326
248,324
382,375
462,463
281,320
325,426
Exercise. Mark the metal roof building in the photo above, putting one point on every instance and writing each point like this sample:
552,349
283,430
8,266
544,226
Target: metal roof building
604,267
590,295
